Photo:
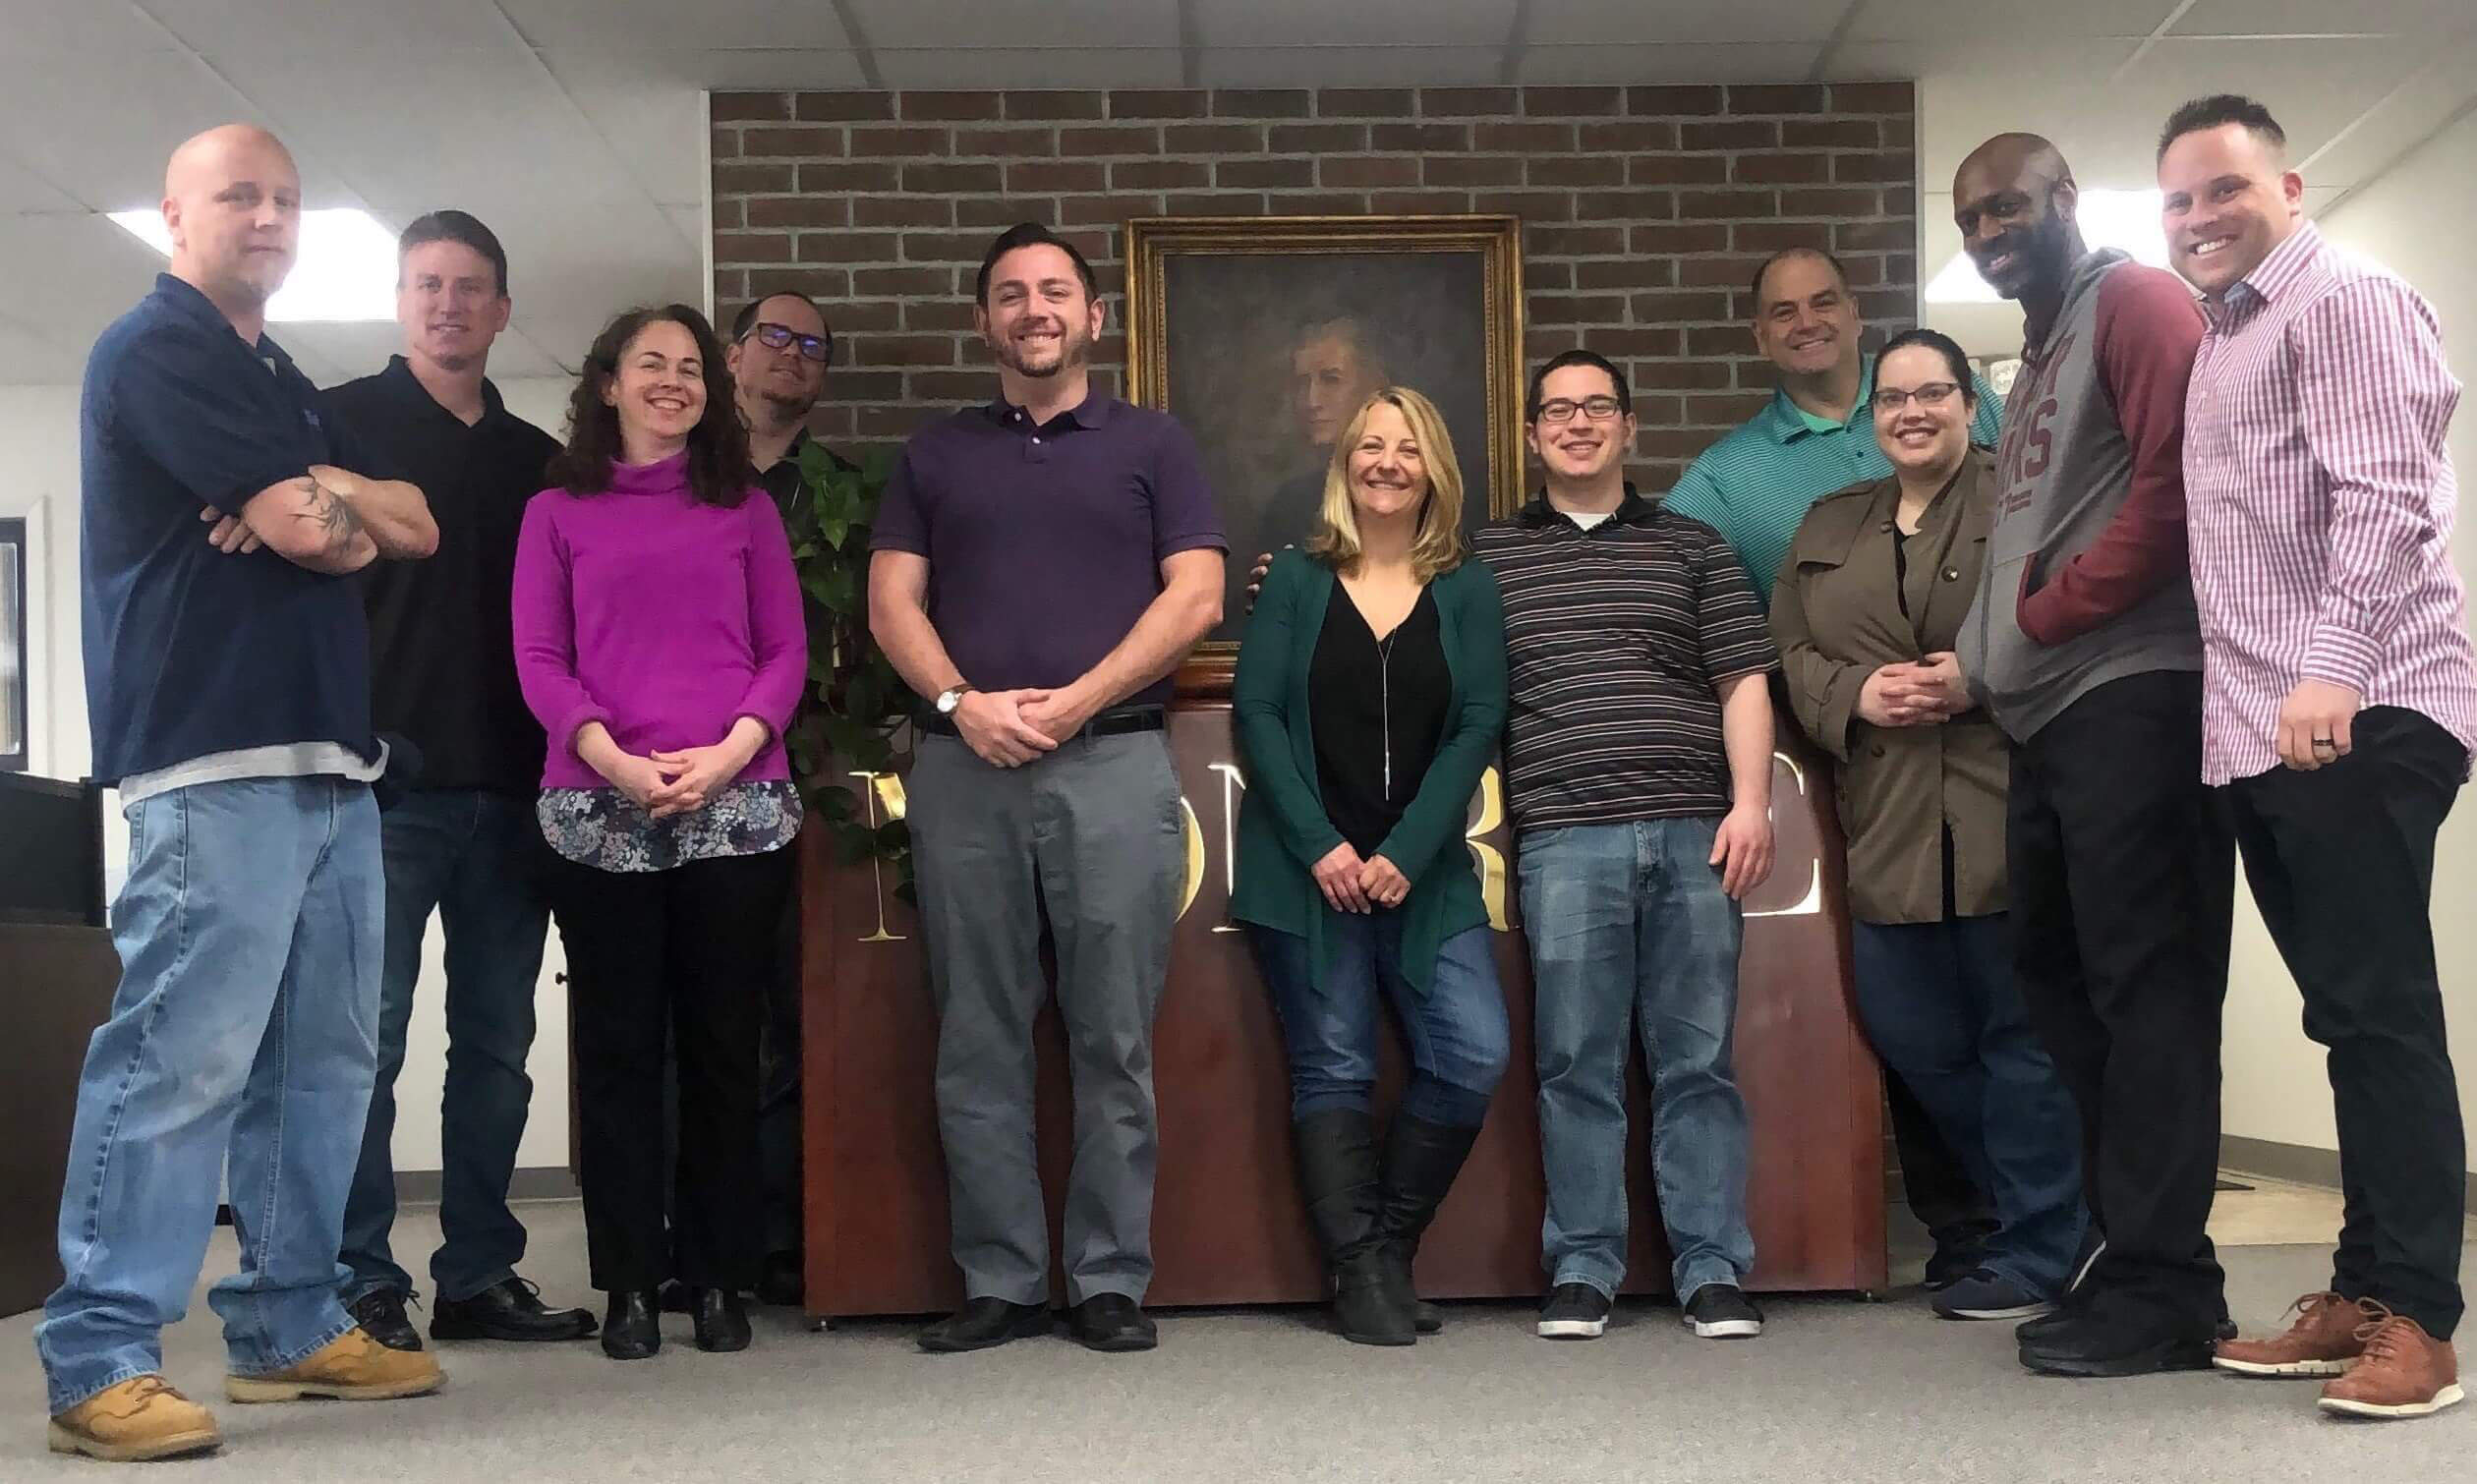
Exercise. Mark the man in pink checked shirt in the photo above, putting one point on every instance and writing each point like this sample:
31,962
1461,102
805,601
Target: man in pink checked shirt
2339,706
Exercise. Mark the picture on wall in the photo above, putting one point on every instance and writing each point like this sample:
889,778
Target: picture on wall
1264,335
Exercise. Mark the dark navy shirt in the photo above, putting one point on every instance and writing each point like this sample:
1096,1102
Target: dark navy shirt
442,654
1045,543
190,652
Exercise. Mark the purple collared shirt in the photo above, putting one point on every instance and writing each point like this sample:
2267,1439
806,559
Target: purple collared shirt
1045,543
2320,502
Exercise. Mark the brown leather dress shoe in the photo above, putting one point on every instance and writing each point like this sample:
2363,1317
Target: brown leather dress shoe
2405,1372
2322,1343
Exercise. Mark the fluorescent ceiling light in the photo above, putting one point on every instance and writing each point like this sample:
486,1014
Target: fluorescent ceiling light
345,269
2127,219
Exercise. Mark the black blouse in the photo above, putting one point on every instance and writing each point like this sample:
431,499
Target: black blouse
1378,712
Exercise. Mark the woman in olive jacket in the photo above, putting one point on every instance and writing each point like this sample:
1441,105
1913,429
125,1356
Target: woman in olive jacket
1369,696
1867,607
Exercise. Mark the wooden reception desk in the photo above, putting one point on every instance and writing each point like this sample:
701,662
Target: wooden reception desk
1228,1228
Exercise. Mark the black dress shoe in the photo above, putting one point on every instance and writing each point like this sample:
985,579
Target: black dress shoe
722,1320
632,1328
1112,1322
983,1323
782,1284
380,1314
2096,1341
509,1310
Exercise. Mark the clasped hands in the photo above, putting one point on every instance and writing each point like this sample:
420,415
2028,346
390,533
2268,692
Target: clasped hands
666,783
1915,692
1009,729
1352,884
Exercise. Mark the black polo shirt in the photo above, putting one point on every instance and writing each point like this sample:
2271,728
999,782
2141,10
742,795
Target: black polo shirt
190,652
781,478
1617,639
442,657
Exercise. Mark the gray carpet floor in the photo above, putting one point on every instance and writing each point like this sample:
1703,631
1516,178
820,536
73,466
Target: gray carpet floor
1834,1391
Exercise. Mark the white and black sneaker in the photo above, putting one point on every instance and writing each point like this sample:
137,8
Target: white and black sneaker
1723,1311
1575,1311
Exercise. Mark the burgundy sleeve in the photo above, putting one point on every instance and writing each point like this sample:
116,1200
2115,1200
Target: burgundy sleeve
2147,331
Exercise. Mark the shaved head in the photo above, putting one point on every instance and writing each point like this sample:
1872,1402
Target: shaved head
2014,201
232,203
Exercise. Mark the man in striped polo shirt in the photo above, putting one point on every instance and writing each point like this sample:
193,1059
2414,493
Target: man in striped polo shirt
1638,764
1754,486
2339,708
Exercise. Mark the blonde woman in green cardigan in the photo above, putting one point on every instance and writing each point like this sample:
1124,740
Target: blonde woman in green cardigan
1369,696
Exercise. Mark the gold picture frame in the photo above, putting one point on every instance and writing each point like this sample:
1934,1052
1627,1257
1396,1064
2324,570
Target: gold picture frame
1408,300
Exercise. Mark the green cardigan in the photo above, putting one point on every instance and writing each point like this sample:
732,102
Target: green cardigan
1283,829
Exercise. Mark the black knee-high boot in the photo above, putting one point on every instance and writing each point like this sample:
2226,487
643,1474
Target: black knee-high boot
1337,1173
1421,1160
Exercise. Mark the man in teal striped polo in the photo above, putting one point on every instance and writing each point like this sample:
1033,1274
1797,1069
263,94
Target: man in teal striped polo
1818,435
1754,486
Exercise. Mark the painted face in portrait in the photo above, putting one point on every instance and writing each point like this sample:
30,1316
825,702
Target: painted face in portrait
1331,375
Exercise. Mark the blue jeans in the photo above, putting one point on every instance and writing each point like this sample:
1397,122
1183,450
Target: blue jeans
1942,1008
1456,1031
1626,922
243,1030
477,858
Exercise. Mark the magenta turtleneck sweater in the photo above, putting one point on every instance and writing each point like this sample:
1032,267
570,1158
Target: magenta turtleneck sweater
665,619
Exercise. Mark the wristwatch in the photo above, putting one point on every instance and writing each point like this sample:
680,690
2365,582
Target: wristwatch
952,696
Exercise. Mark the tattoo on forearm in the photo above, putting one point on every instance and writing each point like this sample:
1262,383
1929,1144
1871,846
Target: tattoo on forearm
336,519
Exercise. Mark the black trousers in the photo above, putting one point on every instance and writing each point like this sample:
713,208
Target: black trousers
2341,864
686,953
2123,882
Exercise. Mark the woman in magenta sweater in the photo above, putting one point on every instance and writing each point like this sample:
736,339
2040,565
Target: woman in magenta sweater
659,639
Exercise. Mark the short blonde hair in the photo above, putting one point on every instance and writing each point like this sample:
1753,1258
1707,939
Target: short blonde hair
1438,547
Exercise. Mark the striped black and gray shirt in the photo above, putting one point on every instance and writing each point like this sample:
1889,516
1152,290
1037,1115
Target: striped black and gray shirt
1617,639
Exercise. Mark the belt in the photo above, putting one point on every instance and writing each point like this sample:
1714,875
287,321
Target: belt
1116,723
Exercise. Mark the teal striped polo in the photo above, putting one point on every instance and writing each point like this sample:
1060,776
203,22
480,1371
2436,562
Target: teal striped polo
1755,485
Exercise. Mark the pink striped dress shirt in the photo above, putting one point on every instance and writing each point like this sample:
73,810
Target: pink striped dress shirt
2319,502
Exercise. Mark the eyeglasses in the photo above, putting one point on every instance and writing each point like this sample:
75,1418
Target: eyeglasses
1563,409
776,336
1890,399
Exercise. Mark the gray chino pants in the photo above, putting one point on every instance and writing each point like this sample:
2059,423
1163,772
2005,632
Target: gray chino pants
1090,834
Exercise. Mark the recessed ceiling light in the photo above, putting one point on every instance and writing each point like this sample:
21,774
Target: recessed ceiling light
2126,219
346,271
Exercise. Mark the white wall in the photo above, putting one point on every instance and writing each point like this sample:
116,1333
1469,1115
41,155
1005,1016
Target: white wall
39,425
2417,221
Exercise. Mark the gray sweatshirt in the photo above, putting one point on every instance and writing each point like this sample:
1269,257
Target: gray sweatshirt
2085,580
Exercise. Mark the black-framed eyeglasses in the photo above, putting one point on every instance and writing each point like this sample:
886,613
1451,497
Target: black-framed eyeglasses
1563,409
775,337
1932,394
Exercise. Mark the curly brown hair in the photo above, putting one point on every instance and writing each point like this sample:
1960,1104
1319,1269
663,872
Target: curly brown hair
719,471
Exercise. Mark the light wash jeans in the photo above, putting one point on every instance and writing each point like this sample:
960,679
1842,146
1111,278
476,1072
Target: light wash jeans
1627,922
244,1028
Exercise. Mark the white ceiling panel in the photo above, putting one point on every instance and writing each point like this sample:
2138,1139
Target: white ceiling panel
776,69
75,124
1932,19
2261,18
1016,25
77,26
1676,62
25,192
2316,88
685,24
1608,22
1350,66
89,271
1321,23
223,28
1044,67
650,108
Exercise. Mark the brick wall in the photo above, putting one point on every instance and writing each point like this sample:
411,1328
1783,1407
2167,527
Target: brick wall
1645,210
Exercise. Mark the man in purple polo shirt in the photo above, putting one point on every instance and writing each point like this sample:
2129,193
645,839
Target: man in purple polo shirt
1040,565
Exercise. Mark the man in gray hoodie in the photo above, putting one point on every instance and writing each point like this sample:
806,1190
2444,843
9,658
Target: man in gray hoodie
2085,648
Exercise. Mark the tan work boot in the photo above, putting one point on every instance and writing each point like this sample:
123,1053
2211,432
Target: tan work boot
2322,1343
352,1367
2405,1373
140,1419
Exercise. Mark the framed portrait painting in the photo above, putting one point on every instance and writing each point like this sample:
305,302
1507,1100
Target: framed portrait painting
1263,335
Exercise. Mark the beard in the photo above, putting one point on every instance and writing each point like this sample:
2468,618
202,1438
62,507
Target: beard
1074,350
787,407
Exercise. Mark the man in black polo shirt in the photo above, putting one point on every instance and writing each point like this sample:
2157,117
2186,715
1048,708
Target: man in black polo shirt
464,842
1637,769
781,347
1039,567
228,680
